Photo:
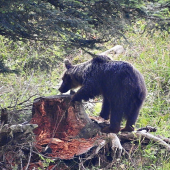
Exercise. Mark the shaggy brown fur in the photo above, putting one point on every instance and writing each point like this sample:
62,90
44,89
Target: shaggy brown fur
121,85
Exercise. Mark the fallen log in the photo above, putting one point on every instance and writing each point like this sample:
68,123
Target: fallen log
143,136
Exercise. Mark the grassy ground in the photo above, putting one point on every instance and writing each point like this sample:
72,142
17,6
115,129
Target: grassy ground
150,54
153,60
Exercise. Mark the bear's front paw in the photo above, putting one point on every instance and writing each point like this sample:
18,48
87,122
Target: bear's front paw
109,130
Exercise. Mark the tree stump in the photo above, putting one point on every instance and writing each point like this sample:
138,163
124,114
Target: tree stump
67,137
64,129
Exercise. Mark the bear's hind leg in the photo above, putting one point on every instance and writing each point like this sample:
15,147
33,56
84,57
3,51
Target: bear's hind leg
105,112
115,120
131,116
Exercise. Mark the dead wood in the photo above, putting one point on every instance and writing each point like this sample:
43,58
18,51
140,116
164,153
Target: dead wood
145,137
16,133
66,132
141,135
117,50
63,131
167,140
65,127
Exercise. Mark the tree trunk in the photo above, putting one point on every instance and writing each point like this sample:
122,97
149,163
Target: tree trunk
64,127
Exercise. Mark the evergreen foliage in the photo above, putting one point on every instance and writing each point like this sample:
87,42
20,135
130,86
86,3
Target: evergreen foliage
80,23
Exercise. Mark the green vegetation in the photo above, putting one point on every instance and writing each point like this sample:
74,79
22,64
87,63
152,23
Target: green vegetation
150,54
78,24
153,61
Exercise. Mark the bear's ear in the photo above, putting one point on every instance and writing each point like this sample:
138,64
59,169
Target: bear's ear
67,64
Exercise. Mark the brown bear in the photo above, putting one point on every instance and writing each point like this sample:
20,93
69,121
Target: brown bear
121,85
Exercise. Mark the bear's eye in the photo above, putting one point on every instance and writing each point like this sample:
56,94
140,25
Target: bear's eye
67,78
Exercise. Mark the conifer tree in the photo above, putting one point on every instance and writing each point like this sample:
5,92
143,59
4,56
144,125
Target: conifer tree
79,23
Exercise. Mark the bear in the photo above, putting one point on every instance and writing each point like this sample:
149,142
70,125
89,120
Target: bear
120,84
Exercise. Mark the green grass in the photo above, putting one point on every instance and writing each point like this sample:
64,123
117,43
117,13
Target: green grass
153,61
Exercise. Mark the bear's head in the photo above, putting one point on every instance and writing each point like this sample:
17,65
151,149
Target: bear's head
68,79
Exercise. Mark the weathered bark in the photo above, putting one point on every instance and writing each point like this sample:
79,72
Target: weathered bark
63,126
69,120
16,133
64,132
145,137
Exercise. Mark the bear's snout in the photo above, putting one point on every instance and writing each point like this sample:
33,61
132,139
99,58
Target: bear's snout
60,90
64,89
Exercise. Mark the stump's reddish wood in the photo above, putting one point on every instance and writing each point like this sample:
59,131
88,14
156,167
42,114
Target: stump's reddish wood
63,126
